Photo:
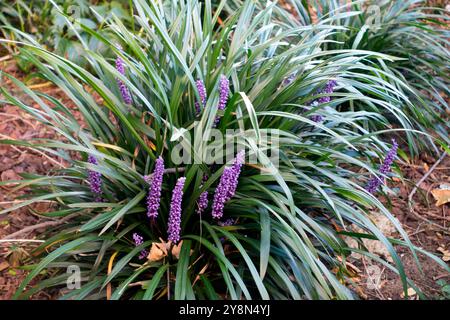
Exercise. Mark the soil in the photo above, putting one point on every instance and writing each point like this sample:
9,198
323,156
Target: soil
427,226
429,232
16,124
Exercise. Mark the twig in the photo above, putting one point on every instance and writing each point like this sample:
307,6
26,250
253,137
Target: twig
443,213
5,58
416,232
445,275
22,240
423,179
435,216
15,117
33,149
20,201
406,164
41,225
136,284
40,85
431,223
411,209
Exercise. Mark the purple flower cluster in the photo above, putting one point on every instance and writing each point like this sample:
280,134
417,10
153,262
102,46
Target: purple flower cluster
385,168
202,93
154,193
138,240
174,225
227,186
288,80
328,89
95,180
224,91
120,66
317,118
202,202
226,223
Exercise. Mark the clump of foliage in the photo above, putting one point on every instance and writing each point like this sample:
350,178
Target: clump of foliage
267,231
411,31
54,24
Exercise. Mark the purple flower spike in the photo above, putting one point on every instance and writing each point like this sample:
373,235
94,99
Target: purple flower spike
202,202
288,80
138,240
224,91
329,89
220,195
174,226
226,223
95,180
236,171
120,66
227,186
154,193
202,93
317,118
385,168
197,108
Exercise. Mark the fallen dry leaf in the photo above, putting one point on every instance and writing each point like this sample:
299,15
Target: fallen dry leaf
4,265
176,249
200,273
411,292
157,251
161,249
446,254
442,196
9,175
374,246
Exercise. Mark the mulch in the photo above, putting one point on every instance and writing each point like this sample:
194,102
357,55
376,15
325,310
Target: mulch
16,124
426,224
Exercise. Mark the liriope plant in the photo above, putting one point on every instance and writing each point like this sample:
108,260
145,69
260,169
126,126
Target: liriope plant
43,22
416,34
140,224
